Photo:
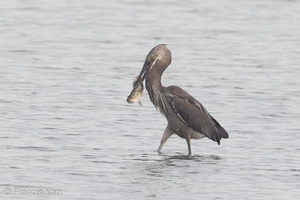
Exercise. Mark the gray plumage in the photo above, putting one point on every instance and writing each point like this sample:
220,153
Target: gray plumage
185,115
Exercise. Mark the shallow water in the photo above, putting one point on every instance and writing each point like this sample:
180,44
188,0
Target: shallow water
68,133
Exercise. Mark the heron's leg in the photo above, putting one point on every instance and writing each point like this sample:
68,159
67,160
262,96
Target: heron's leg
188,141
168,132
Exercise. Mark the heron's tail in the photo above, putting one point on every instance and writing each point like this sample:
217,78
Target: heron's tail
223,132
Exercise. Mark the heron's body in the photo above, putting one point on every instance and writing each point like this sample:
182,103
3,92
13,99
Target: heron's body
185,115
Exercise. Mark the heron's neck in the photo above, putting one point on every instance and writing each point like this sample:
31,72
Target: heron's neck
154,86
156,90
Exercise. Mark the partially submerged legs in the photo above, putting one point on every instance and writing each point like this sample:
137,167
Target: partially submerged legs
168,132
188,141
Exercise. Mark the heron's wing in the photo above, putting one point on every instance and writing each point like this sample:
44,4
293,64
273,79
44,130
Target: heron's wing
195,115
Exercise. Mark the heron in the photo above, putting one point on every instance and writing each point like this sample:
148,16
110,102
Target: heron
186,116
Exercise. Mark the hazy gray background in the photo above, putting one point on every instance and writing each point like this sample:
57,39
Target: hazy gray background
66,68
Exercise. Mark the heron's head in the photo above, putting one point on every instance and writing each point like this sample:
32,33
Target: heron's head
159,58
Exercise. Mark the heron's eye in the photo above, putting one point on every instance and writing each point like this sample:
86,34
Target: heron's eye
152,57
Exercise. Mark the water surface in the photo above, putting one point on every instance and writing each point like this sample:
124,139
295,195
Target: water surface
66,70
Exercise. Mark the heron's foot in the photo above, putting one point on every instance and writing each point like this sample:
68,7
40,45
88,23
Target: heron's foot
160,147
159,151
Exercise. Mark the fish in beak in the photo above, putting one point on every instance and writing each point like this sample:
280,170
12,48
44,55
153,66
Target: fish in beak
136,93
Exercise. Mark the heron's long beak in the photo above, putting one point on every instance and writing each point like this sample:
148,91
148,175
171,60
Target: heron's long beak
146,68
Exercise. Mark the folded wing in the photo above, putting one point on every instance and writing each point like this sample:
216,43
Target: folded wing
193,113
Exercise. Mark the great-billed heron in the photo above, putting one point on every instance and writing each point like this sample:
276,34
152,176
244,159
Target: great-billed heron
186,116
